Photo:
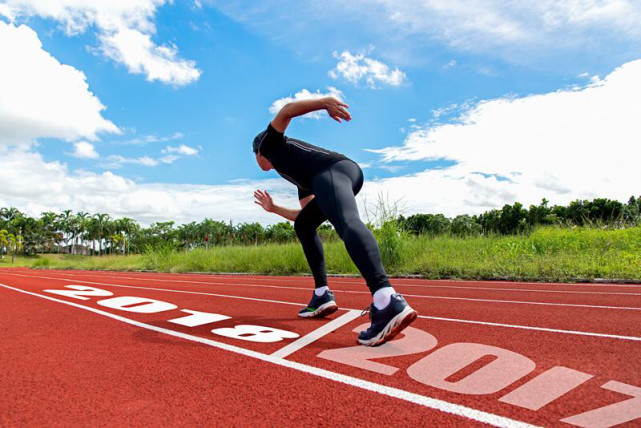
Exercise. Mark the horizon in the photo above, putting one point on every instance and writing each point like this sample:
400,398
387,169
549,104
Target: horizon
372,217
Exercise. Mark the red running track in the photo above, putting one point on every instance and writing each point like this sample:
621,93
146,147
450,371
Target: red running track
116,348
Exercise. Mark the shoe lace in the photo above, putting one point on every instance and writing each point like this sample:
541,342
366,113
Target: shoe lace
367,310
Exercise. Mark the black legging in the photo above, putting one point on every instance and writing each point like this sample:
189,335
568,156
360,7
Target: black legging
334,191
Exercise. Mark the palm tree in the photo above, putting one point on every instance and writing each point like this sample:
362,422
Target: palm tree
15,242
11,219
49,222
64,225
4,242
9,214
100,223
80,227
128,226
118,236
110,230
32,233
90,234
10,241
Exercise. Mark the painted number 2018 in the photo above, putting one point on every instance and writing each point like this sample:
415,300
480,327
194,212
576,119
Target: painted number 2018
142,305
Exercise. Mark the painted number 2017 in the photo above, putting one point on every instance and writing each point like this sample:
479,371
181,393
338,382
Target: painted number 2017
499,369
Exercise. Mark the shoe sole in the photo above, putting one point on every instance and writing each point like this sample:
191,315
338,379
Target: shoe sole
322,311
399,323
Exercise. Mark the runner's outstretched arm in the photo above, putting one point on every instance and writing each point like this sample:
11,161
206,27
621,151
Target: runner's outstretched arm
336,109
264,199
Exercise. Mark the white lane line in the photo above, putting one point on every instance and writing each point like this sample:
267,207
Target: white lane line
308,289
418,296
432,403
525,327
317,334
160,289
524,290
398,281
603,335
453,287
519,302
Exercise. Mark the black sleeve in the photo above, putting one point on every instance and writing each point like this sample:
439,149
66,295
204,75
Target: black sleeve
271,139
303,193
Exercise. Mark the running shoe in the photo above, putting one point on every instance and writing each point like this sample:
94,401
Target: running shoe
387,322
319,306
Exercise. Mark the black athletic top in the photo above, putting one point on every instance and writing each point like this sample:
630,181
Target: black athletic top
295,160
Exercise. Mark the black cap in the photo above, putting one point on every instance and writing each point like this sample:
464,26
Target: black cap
258,140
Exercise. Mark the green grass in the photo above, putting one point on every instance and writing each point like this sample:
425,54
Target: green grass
20,261
546,254
56,261
550,254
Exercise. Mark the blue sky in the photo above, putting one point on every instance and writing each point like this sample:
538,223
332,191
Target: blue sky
457,108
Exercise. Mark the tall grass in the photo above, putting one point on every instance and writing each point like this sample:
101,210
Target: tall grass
383,217
57,261
549,253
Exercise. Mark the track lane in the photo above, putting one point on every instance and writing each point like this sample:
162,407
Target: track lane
628,301
604,358
577,297
358,283
604,321
65,367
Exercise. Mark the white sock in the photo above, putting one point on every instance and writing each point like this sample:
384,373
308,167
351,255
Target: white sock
382,297
320,290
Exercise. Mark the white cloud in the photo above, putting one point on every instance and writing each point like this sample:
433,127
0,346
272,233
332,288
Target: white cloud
6,11
564,145
501,21
172,154
85,150
125,29
357,67
169,159
116,161
40,97
306,95
141,56
146,139
514,29
450,64
182,150
523,32
37,186
444,111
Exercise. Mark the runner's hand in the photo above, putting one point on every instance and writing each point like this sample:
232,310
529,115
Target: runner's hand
264,199
337,110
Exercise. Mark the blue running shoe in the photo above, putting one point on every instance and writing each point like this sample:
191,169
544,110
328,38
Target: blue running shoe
387,322
319,306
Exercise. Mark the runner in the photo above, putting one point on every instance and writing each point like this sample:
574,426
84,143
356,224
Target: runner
327,185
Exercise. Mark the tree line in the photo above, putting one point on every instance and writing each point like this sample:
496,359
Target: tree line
515,219
100,234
